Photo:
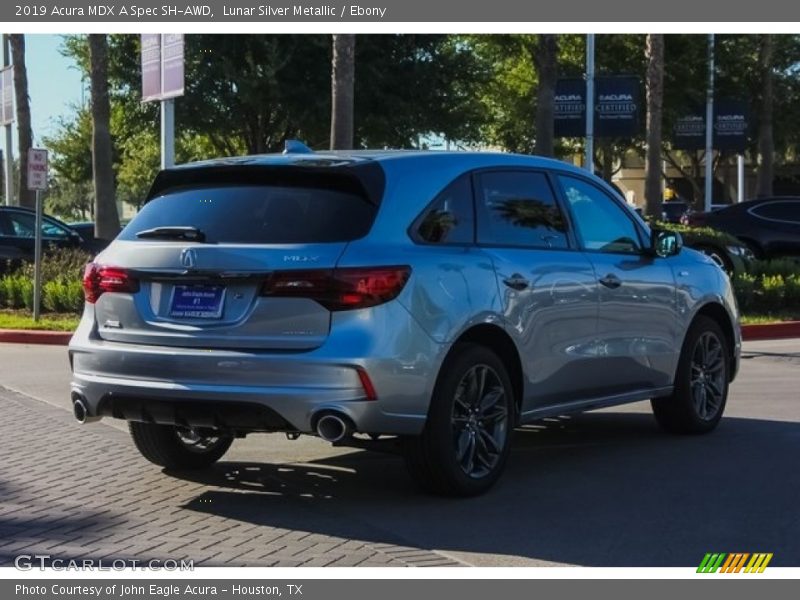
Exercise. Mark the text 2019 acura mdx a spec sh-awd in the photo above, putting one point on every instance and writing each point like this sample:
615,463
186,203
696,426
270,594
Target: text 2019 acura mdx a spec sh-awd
432,300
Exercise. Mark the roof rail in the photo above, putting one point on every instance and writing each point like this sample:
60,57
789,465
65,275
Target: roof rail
296,147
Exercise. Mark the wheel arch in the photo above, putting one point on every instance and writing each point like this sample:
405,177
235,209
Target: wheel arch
717,313
498,341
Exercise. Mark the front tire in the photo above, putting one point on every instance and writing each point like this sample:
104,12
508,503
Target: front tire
179,447
701,382
467,437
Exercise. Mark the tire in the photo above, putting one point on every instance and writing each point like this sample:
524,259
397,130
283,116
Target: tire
178,448
701,382
720,257
465,444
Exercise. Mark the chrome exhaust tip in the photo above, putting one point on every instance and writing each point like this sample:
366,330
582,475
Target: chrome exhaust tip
81,411
333,428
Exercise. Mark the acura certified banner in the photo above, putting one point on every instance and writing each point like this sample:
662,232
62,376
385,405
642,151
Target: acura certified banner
616,107
731,127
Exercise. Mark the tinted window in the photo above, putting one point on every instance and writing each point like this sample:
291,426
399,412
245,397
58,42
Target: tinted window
518,208
259,214
601,224
780,210
24,225
449,219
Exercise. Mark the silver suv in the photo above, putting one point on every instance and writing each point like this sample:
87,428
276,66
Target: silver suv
431,301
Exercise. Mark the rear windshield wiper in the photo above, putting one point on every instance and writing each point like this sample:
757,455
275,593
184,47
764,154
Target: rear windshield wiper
174,232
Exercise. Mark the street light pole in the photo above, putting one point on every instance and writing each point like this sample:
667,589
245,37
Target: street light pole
709,126
590,102
9,153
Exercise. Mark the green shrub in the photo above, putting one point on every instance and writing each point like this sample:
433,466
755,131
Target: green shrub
17,291
60,264
792,293
772,292
744,286
62,296
785,267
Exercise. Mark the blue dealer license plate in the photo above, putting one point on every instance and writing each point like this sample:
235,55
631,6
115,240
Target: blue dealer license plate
197,301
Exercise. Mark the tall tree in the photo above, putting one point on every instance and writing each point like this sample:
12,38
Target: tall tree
24,132
654,52
766,140
106,225
546,61
342,90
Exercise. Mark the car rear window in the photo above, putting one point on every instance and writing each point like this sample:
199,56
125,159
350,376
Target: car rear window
259,214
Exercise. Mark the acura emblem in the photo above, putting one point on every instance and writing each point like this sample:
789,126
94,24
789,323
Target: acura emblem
189,258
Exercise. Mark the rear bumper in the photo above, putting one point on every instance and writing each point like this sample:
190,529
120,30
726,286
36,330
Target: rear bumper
141,382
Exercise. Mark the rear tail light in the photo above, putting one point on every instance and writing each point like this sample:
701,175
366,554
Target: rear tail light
99,279
340,289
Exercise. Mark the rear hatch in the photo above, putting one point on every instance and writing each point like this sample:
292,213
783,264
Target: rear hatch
233,257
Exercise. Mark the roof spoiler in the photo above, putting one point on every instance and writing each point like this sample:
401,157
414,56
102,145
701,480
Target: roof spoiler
296,147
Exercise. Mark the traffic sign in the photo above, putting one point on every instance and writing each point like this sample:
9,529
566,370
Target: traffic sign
37,169
7,96
162,66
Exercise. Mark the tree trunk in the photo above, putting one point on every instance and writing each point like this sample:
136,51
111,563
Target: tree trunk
654,53
766,141
342,86
607,166
24,133
106,224
546,61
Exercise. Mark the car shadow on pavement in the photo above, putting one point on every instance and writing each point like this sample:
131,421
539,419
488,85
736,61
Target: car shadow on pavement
599,489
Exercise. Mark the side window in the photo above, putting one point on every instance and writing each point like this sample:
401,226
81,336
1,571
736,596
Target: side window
23,225
52,230
601,224
449,219
780,210
518,208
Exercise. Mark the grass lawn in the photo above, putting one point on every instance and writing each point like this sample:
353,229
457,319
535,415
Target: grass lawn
18,319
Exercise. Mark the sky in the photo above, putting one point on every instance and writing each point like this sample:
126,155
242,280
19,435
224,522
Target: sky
54,83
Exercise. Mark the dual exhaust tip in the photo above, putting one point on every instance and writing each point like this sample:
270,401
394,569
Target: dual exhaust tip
334,427
331,426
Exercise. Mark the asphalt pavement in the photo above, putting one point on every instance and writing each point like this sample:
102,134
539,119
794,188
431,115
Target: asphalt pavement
606,488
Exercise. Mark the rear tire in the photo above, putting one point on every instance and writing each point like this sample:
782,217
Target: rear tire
178,448
467,437
701,382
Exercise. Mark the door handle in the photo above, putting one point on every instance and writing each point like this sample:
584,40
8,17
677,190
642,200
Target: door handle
611,281
516,282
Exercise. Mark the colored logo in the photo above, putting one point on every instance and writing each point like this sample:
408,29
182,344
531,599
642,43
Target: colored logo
734,563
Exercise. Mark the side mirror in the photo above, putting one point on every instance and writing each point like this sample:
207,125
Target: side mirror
665,243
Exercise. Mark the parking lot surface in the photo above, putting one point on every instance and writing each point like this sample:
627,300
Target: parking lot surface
601,489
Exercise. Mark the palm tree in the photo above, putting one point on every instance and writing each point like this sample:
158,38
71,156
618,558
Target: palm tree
545,58
106,225
24,132
342,91
654,53
766,140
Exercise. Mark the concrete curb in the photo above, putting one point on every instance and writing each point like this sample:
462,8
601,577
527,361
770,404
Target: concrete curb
771,331
28,336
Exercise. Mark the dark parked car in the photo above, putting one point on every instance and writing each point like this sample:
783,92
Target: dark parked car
86,231
769,226
18,229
